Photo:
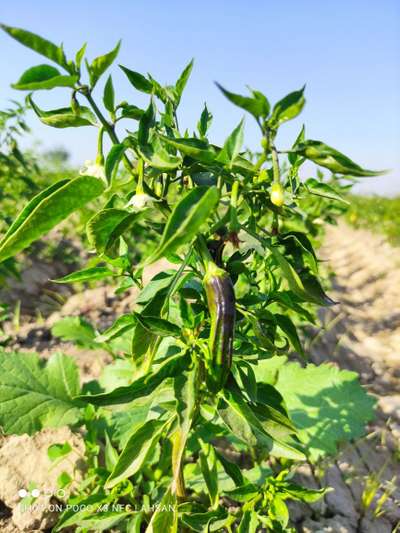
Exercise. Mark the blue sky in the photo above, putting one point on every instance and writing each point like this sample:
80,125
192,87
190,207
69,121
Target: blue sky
347,52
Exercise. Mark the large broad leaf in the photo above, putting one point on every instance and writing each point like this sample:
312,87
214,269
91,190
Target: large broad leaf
34,395
101,64
65,117
46,210
257,105
143,386
325,156
186,219
137,450
289,107
327,405
40,45
74,328
43,77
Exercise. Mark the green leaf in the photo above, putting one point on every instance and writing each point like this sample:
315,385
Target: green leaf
146,122
39,45
113,159
278,511
243,493
74,328
289,107
195,148
208,464
121,325
248,523
245,425
305,287
101,64
257,105
325,156
232,469
158,157
323,189
143,386
136,452
106,226
232,145
56,451
165,517
204,122
48,209
185,387
79,55
140,82
160,282
132,111
182,81
327,405
109,95
303,494
186,220
86,274
158,326
34,395
64,117
43,77
287,326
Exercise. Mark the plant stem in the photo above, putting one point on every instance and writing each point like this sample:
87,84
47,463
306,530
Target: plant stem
109,128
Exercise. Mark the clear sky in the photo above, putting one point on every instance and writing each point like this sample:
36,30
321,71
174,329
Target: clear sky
347,52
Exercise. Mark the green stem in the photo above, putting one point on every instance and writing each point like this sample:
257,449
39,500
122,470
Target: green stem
203,251
109,128
275,164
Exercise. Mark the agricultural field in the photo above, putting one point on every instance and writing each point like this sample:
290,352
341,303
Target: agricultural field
378,214
194,336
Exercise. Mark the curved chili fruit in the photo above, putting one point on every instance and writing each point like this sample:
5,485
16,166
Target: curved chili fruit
221,305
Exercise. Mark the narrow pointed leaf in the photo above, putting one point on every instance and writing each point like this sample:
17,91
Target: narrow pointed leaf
38,44
65,117
137,450
182,81
289,107
47,210
143,386
140,82
101,64
256,106
43,77
232,146
326,156
186,220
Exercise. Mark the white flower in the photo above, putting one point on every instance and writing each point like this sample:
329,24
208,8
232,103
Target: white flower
139,201
91,168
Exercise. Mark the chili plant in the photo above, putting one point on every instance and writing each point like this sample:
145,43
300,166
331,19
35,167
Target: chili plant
194,434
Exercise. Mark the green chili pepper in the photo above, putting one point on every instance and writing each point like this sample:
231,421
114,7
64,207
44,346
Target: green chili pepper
221,305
